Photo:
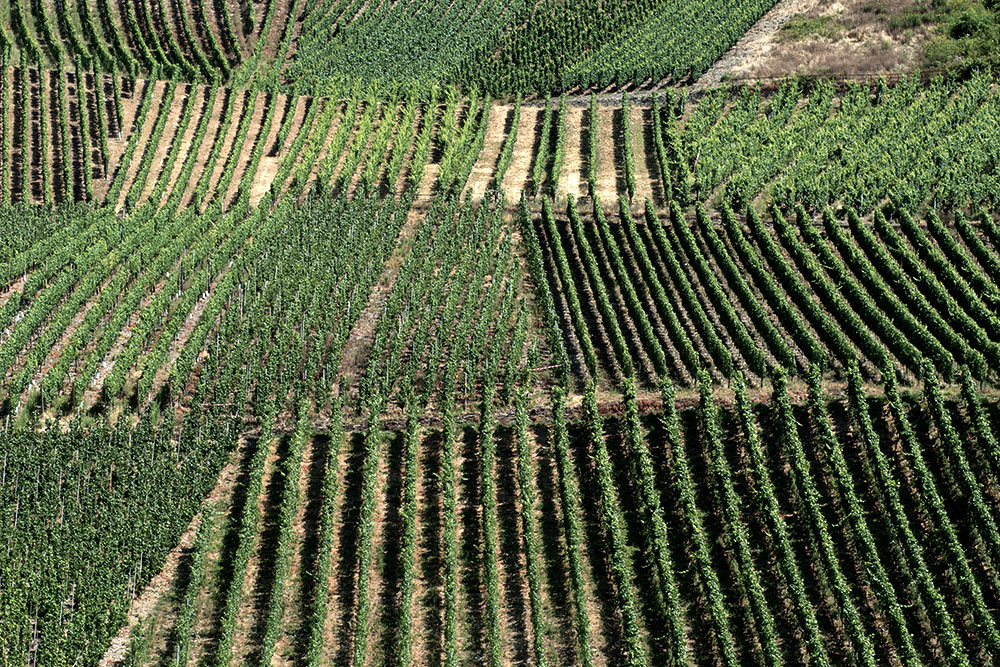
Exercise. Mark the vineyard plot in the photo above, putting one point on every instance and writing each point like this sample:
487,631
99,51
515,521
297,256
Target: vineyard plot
667,293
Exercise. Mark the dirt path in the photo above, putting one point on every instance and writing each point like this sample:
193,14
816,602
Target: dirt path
359,341
271,160
753,45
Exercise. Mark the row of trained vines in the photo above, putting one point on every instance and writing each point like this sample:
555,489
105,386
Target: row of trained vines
668,293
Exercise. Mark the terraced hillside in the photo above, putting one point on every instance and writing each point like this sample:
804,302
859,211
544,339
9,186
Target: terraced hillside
336,332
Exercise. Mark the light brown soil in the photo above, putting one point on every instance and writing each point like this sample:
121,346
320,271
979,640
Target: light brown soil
169,135
643,184
573,180
253,136
144,133
356,348
268,141
269,165
211,136
519,172
864,44
610,174
240,98
482,172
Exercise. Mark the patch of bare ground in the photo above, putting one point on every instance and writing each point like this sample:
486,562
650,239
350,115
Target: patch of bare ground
519,172
117,137
270,162
282,15
195,96
573,180
227,135
145,131
640,152
235,10
610,177
254,137
425,189
846,38
497,125
155,598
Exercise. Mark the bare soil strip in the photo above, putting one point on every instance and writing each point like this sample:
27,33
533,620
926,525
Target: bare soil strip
519,172
610,175
496,132
573,180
